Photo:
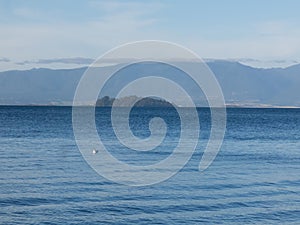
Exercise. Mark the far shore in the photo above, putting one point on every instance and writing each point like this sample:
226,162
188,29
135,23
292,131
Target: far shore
228,106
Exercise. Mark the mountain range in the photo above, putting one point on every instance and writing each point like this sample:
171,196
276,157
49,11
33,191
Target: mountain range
241,85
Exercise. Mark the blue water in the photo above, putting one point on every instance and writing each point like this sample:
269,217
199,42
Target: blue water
254,179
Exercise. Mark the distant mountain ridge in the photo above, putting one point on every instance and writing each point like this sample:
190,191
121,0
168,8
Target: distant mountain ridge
241,85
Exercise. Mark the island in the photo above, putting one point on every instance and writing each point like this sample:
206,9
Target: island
127,101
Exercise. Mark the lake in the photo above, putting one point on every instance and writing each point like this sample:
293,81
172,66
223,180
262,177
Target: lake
255,178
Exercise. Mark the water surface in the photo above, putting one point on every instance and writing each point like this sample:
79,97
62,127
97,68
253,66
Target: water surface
254,179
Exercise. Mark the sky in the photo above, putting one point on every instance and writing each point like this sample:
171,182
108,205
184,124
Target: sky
69,33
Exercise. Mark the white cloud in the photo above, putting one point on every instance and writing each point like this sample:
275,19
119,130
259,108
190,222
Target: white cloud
27,13
120,23
73,60
268,41
138,8
275,28
4,59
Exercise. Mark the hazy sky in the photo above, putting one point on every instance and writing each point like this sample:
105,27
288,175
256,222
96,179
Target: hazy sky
256,29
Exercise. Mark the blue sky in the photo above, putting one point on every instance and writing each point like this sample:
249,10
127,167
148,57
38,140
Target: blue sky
33,30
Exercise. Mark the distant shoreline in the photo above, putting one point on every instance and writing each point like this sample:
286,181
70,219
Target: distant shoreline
155,107
147,102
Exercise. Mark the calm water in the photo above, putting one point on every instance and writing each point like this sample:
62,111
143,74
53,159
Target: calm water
255,179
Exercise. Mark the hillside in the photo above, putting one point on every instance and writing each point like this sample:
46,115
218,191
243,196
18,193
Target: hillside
240,84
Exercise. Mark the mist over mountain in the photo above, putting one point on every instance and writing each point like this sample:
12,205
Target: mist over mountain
242,85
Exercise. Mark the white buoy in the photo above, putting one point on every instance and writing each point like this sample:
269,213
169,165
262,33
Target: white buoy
95,151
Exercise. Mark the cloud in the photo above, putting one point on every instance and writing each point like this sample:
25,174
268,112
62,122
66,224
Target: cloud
24,62
76,60
256,47
275,61
275,28
258,63
52,36
4,60
115,7
26,13
282,63
116,24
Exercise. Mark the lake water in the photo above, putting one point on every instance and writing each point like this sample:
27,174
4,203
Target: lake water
255,178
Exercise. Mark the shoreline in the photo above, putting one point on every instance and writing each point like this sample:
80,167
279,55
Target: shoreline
227,106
